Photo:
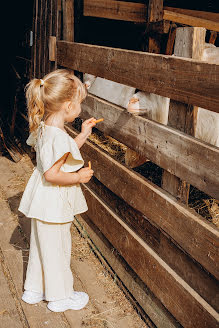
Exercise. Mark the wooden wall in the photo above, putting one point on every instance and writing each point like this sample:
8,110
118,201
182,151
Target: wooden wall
167,245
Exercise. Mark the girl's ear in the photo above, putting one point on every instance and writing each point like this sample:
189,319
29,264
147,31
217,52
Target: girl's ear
68,106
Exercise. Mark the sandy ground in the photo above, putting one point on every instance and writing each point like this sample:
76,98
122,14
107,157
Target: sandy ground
108,306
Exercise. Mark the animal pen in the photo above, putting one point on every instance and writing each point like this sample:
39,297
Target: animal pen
148,175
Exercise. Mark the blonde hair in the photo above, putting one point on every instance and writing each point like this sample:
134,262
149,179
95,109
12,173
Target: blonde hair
45,96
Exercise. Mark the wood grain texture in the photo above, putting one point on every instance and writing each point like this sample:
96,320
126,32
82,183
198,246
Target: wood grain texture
190,20
148,302
189,230
68,20
52,48
136,12
155,11
174,293
184,156
166,247
119,10
189,43
184,80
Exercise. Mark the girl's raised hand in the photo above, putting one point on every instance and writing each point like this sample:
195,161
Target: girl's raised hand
87,126
85,174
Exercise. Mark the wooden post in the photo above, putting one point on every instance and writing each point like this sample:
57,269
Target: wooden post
189,43
155,11
68,20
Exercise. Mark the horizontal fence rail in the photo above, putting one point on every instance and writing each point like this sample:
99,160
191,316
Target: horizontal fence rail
186,80
173,292
194,234
178,153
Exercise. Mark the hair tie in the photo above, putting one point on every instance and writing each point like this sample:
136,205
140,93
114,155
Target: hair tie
41,82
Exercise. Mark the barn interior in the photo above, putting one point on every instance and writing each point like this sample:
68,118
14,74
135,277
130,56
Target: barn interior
30,51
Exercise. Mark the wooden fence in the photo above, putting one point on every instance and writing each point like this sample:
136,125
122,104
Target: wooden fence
172,249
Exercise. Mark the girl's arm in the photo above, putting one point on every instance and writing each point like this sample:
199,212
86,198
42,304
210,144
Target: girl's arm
56,176
86,130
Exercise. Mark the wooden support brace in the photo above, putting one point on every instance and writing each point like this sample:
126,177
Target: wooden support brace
189,43
52,48
155,10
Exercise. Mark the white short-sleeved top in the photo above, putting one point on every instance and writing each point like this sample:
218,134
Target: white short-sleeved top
44,200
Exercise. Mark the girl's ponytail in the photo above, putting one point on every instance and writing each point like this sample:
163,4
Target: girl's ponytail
35,103
47,96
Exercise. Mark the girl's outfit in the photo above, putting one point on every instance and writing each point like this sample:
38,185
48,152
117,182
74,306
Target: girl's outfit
51,209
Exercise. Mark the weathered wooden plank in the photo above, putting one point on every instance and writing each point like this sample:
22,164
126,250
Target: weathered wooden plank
169,251
184,80
33,49
48,33
180,299
119,10
68,20
189,43
37,39
147,301
52,48
136,12
155,10
190,20
193,233
184,156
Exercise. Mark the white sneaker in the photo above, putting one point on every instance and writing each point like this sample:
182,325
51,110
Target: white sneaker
32,297
77,301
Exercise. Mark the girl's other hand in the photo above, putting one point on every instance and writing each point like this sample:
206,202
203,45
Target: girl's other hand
87,126
85,174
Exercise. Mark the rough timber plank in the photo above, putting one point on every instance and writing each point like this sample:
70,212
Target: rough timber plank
136,12
184,80
68,20
193,233
207,20
189,43
184,156
149,303
166,247
119,10
180,299
155,10
8,312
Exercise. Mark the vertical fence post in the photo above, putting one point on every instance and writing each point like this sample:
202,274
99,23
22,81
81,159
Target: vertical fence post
189,43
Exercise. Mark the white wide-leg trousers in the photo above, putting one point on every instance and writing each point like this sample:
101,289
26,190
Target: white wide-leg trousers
48,269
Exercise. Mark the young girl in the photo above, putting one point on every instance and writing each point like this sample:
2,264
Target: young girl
53,195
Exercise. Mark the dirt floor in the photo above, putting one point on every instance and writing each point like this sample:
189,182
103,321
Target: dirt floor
108,305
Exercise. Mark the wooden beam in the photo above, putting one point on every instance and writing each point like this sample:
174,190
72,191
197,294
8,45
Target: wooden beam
119,10
194,234
180,299
52,48
136,12
214,17
184,80
68,20
155,11
184,156
186,19
168,249
154,309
